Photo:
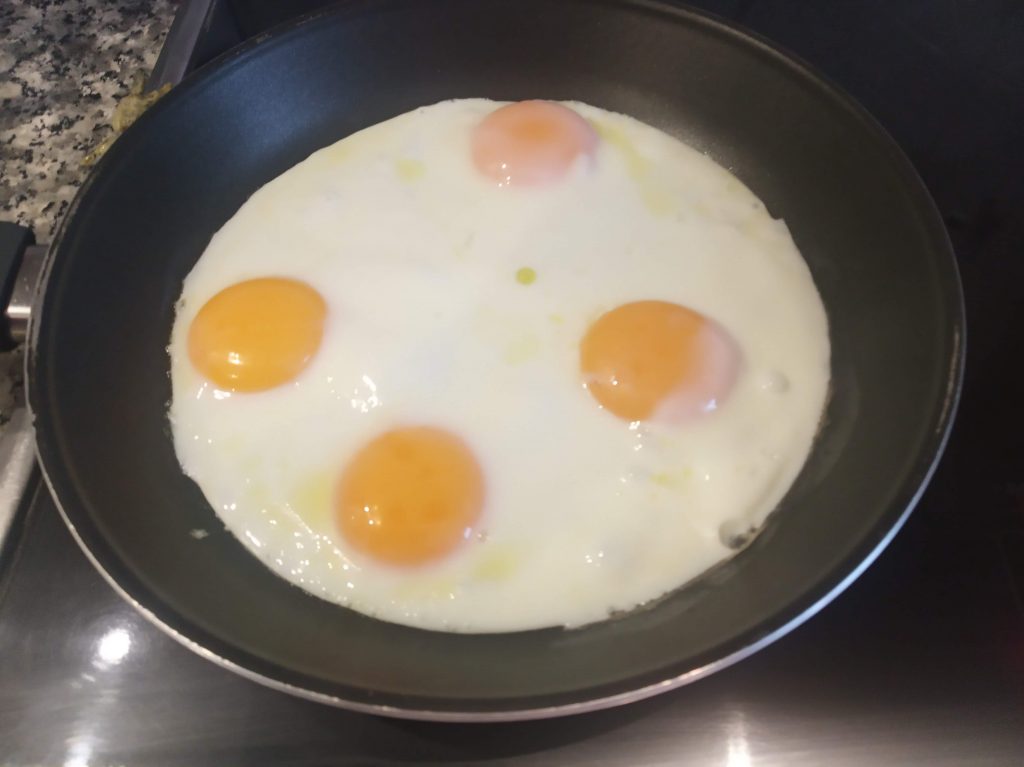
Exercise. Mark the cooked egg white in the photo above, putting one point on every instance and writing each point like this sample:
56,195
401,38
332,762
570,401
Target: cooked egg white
459,302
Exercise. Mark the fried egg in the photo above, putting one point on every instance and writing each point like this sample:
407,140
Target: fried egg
491,367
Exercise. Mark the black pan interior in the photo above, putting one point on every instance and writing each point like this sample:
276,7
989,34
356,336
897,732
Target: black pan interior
99,373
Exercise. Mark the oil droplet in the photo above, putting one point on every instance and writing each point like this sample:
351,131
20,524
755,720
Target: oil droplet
657,201
526,276
498,566
409,170
522,349
337,153
662,478
312,501
636,164
673,480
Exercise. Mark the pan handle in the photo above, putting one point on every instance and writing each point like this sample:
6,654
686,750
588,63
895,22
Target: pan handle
21,263
14,241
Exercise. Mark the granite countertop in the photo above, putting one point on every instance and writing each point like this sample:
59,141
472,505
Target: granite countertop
64,64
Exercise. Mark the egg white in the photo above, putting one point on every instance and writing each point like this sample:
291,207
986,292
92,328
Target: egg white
416,255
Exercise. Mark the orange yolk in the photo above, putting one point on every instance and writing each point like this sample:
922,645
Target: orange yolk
653,359
531,142
257,334
410,496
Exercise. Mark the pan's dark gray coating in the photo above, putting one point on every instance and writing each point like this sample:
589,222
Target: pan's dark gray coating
99,373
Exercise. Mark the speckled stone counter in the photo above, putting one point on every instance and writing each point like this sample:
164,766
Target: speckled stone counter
64,64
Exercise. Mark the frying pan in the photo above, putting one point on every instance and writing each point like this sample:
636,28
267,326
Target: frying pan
98,372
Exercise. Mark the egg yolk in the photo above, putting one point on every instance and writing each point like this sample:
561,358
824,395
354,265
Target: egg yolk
410,496
531,142
258,334
657,360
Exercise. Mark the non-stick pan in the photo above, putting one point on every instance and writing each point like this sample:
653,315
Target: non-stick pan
98,370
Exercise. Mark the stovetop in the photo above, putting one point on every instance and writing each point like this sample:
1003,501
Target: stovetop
920,661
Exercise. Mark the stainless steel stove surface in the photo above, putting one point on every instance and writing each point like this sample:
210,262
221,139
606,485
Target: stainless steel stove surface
921,661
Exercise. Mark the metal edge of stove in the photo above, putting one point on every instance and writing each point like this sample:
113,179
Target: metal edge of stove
178,52
17,440
17,461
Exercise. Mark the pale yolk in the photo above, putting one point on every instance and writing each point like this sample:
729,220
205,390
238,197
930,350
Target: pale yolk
410,496
531,142
657,360
258,334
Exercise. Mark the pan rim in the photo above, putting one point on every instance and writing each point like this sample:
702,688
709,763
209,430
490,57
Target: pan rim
816,596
